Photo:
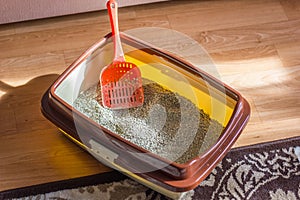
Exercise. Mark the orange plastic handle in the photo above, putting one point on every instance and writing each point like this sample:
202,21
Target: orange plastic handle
112,8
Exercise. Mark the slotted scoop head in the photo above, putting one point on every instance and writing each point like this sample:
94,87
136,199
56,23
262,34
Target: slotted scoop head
121,86
121,81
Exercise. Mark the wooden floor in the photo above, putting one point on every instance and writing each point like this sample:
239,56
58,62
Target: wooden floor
254,43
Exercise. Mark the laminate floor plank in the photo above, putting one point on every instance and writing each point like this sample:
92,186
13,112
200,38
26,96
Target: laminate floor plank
228,14
269,131
96,18
50,40
7,29
18,70
260,58
292,8
55,158
289,52
249,36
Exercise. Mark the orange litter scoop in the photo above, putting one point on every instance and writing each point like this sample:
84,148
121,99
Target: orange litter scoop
121,81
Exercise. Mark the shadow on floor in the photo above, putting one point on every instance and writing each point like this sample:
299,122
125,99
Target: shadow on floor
20,106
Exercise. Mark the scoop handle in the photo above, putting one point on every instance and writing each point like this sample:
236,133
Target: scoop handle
112,7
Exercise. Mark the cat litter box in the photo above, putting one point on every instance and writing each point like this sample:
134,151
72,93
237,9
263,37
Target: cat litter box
188,122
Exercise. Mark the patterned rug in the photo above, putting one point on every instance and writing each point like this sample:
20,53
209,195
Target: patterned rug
262,171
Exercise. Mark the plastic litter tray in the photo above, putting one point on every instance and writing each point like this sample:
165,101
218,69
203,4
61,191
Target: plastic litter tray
219,101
